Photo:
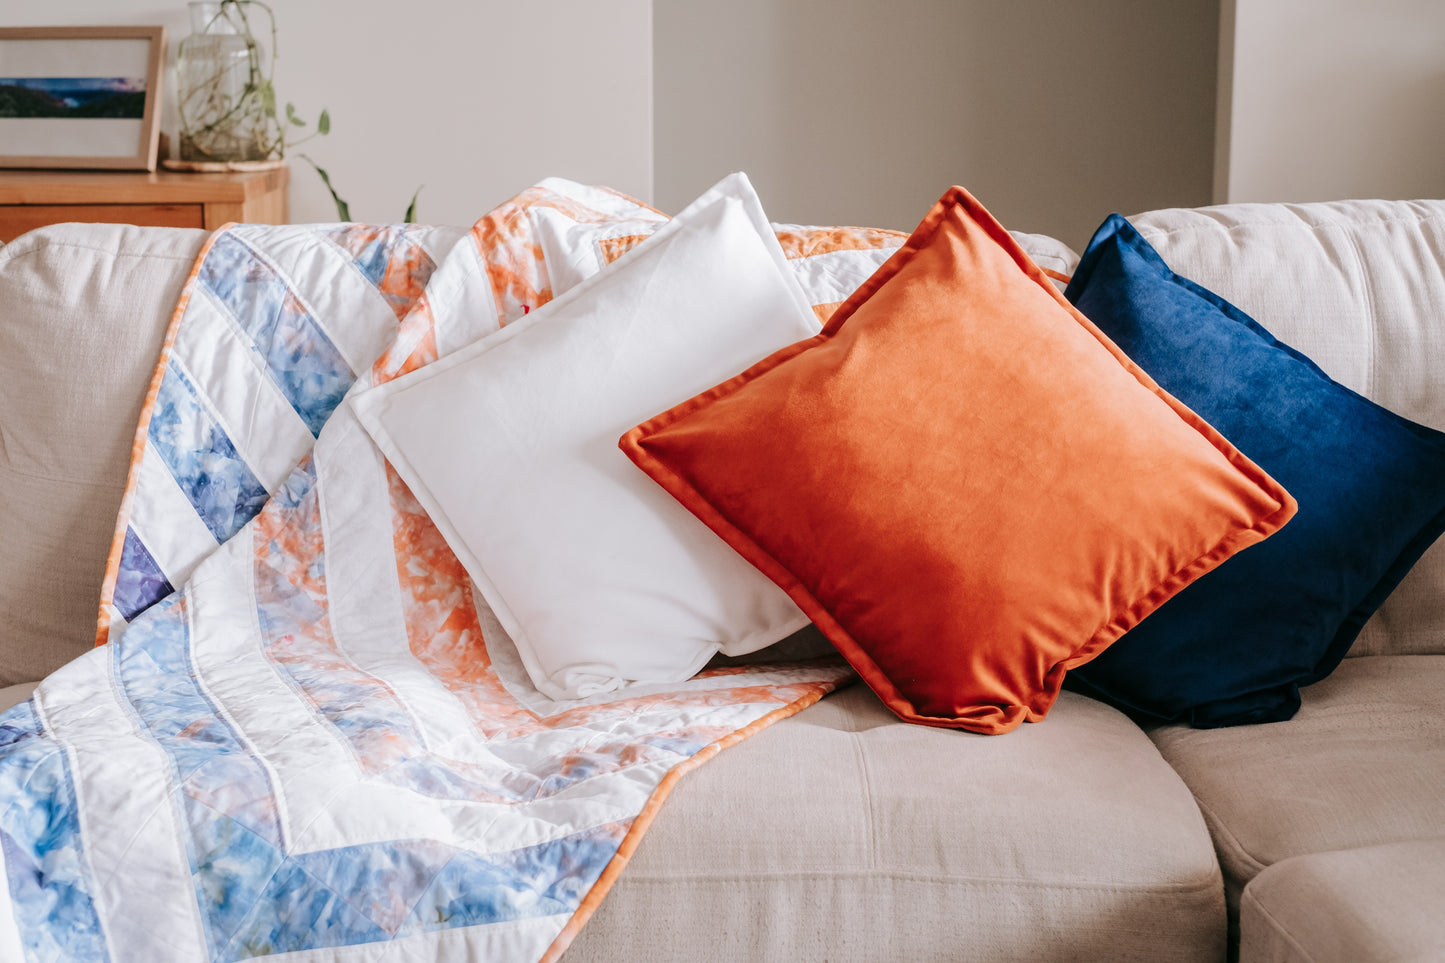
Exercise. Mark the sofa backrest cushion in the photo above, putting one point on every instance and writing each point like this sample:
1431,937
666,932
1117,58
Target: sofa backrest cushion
83,309
1359,287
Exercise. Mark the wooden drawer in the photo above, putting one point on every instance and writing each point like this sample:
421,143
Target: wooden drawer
31,199
17,219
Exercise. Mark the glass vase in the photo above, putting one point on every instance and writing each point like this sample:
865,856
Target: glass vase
226,105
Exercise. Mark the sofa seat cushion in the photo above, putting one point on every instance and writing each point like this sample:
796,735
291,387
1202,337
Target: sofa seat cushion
1359,288
1361,764
843,834
1356,906
84,309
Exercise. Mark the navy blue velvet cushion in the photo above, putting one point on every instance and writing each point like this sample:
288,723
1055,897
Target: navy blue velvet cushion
1235,646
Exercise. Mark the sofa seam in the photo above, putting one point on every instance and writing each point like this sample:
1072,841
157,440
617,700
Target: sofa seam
858,754
1279,927
56,479
1204,887
1372,314
1223,831
7,256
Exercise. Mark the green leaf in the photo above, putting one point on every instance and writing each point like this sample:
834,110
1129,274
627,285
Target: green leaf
343,209
323,123
268,96
291,115
410,217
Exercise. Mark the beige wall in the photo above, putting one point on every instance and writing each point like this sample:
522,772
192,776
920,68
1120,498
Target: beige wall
1333,98
476,99
865,111
842,111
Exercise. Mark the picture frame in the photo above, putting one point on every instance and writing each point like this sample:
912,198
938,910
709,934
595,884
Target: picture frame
80,97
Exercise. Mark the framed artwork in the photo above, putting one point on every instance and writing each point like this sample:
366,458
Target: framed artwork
80,96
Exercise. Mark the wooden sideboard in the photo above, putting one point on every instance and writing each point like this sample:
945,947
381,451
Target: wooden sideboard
31,199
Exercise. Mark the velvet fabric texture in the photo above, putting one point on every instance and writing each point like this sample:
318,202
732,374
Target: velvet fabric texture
1235,647
960,481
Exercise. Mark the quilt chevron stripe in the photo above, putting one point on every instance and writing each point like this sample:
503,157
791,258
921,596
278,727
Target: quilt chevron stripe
266,341
309,735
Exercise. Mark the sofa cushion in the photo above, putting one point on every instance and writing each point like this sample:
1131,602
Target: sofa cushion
1235,646
1355,906
1358,287
1361,764
83,308
964,484
843,834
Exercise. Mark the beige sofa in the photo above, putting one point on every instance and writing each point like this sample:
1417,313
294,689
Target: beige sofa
843,834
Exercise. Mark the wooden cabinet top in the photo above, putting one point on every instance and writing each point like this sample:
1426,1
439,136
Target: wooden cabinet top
125,187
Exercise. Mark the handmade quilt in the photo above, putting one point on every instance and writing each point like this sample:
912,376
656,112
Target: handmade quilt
308,735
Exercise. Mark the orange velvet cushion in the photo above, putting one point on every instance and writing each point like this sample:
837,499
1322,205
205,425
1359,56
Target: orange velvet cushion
963,483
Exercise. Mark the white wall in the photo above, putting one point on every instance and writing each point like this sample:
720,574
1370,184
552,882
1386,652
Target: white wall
864,111
1331,99
475,99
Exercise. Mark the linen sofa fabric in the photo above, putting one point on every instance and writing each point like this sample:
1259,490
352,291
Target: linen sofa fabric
1361,764
1055,258
598,577
842,834
1379,904
86,308
15,694
1359,288
964,485
1235,646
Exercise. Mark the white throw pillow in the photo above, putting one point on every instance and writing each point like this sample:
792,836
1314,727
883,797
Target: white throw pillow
598,575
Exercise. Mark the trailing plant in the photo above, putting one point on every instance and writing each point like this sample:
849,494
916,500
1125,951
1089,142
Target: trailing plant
343,209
